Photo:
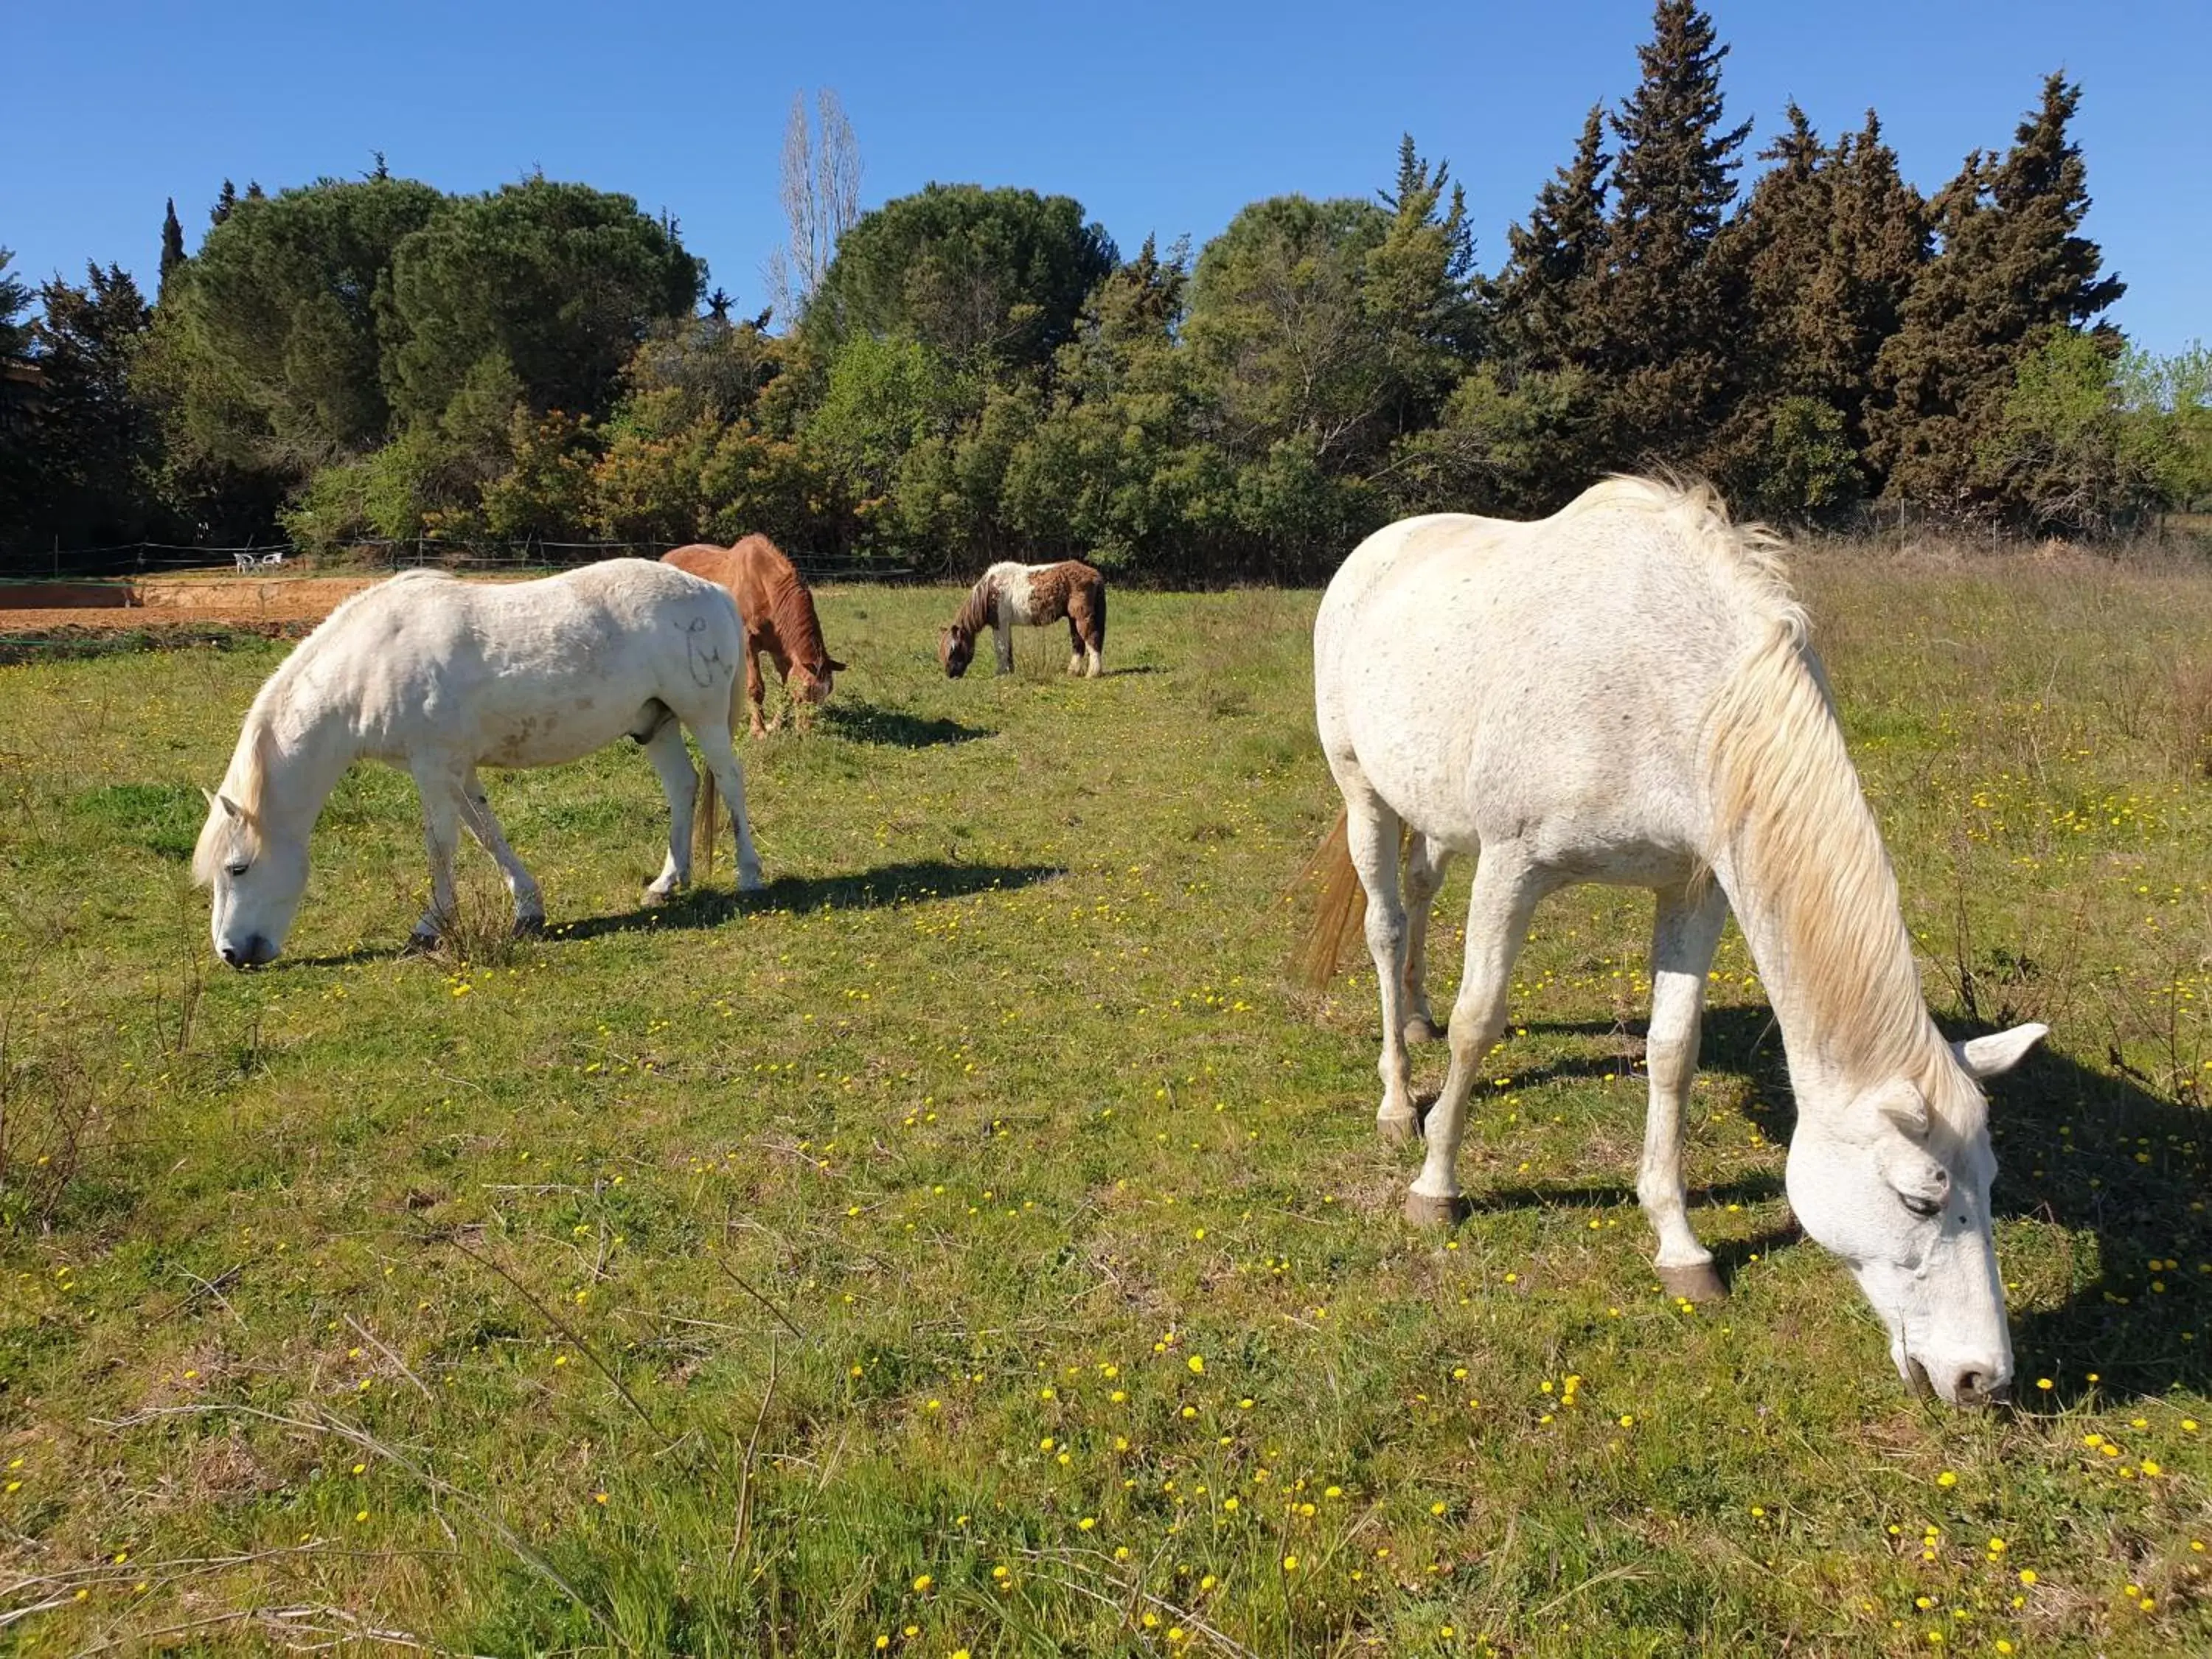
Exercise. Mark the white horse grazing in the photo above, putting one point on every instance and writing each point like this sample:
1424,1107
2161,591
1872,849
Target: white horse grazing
1624,693
439,677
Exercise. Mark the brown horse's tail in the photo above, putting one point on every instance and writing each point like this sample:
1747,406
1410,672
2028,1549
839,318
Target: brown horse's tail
709,798
1339,910
1098,618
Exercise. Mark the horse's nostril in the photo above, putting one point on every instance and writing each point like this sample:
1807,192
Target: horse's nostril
1974,1389
230,955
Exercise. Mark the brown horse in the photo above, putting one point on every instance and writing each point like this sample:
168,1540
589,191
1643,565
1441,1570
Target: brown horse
778,612
1037,595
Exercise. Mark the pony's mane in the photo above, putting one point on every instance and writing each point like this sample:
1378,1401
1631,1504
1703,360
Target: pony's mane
1808,853
246,783
791,604
978,608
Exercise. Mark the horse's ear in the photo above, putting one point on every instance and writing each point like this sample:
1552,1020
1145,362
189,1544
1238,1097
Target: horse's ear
211,797
834,665
230,806
1999,1052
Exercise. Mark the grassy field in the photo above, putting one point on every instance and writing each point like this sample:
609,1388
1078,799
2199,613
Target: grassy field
975,1245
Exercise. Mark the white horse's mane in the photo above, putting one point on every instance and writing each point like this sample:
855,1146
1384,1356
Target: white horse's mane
246,782
1785,800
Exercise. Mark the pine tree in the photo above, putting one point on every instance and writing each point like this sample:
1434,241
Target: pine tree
226,203
1668,314
2012,276
173,244
1544,298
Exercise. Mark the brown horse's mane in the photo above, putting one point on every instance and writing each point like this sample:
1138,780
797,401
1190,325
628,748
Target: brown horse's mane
791,604
977,609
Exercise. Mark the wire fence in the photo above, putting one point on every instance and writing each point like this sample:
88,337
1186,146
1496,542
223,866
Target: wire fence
128,559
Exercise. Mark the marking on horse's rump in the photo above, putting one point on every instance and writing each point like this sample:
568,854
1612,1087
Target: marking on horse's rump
705,657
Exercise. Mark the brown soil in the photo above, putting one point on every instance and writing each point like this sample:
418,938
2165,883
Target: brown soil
261,603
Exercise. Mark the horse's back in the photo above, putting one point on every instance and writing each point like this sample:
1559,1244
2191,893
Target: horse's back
524,673
1488,677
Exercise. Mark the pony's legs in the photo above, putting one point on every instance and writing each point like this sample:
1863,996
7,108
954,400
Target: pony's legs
1425,874
1002,636
713,741
1371,831
1684,935
1094,636
476,814
1074,644
1506,890
442,795
672,763
756,693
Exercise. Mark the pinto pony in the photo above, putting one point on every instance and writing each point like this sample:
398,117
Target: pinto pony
1035,595
777,610
1624,693
439,677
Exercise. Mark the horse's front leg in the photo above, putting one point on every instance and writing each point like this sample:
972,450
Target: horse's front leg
755,693
476,814
1002,636
1506,890
1684,935
1425,875
672,762
442,792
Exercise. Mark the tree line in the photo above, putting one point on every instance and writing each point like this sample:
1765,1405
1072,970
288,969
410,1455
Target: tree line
965,373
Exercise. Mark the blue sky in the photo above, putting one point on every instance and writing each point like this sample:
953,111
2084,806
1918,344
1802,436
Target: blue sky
1157,118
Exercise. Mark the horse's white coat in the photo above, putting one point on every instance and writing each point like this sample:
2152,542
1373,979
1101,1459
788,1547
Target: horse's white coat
1623,693
439,677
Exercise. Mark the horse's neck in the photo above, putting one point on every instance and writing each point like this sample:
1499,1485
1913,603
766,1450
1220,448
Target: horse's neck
798,629
1836,961
982,609
302,750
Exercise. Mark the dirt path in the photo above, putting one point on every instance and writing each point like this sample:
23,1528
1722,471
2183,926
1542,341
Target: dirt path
277,603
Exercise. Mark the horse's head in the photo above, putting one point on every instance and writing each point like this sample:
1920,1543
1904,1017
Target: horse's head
811,685
1902,1194
955,650
256,880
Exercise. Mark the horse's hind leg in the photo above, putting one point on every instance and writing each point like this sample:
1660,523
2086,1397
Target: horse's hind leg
1425,875
476,814
1074,643
1684,935
713,740
1506,890
672,763
1371,832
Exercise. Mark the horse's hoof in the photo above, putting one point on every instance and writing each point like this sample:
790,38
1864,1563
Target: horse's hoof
657,897
749,882
530,926
1695,1283
1423,1211
1399,1130
1422,1029
419,944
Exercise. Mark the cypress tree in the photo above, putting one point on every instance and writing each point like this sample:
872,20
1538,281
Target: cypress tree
172,244
1668,313
2013,275
1543,298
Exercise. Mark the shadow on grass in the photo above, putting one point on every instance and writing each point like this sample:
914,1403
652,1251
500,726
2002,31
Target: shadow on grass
860,722
878,888
2125,1173
2100,1155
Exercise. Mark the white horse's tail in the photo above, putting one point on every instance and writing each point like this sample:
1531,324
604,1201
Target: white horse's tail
709,798
1338,912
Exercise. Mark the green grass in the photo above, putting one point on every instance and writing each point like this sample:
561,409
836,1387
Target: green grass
973,1243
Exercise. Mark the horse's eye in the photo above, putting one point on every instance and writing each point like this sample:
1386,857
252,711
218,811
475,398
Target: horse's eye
1925,1208
235,869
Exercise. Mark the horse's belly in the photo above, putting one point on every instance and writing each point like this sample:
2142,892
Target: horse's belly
556,734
